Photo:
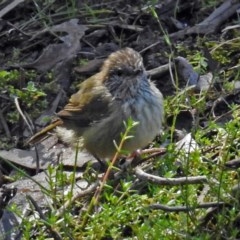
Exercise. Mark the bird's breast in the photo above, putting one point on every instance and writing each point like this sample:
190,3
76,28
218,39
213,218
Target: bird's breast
146,109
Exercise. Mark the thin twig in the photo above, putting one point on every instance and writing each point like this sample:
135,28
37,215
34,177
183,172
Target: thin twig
16,28
77,196
53,232
171,74
21,113
153,150
10,7
27,123
169,181
185,208
4,124
160,70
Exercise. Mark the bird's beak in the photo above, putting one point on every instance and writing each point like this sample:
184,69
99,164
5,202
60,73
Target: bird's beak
145,76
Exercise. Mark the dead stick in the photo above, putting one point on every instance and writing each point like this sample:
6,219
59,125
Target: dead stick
169,181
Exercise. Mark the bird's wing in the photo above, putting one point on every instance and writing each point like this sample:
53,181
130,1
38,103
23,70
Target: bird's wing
90,104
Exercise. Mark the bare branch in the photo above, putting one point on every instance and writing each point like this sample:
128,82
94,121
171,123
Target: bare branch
81,194
169,181
185,208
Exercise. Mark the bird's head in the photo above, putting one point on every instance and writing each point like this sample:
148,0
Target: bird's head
124,72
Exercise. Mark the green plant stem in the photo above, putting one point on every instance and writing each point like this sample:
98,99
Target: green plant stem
44,189
96,196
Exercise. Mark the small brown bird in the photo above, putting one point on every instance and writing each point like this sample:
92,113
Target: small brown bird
96,113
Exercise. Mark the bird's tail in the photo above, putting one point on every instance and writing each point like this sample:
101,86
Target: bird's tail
43,134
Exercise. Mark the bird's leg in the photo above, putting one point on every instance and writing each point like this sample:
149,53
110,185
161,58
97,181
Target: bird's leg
135,158
132,160
103,163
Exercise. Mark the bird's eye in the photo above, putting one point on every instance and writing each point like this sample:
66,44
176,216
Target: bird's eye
119,72
137,71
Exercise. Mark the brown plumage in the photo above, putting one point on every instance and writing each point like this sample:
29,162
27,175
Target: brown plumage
104,101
